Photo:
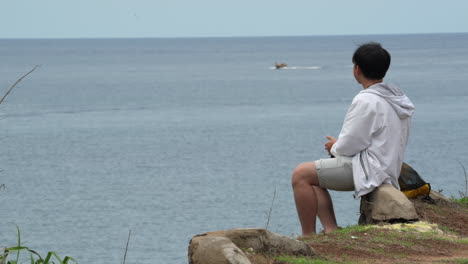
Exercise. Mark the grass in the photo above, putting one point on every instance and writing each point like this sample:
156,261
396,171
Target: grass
376,243
304,260
462,201
461,261
446,229
34,257
353,229
464,195
457,261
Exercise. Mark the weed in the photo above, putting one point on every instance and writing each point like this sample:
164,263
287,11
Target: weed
460,261
304,260
126,247
464,195
462,201
378,250
407,243
353,229
34,257
271,208
13,86
446,229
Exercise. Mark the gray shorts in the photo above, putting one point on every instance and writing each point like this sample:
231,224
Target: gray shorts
336,174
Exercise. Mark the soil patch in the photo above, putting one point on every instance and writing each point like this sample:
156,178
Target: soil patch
450,216
364,244
387,246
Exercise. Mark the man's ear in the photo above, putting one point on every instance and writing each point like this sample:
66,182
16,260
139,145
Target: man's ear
357,70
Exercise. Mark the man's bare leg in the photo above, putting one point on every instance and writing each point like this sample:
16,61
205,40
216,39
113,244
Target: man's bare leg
325,210
311,200
305,197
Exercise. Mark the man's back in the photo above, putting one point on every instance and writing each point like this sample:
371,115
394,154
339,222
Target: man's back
389,142
375,132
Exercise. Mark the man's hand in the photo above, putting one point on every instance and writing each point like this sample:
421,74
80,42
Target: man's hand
329,144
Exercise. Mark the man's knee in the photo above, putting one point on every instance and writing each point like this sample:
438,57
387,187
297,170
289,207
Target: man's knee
304,173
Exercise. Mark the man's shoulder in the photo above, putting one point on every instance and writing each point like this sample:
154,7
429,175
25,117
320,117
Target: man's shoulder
364,97
368,102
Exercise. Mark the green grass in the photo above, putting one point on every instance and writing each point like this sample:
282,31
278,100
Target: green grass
446,229
462,201
303,260
378,250
353,229
458,261
34,257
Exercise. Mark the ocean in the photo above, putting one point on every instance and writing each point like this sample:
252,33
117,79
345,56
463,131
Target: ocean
170,138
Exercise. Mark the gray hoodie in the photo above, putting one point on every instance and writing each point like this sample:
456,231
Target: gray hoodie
375,133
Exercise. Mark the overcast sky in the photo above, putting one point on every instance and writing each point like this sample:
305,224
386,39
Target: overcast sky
203,18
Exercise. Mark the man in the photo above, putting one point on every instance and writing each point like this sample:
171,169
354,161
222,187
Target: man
369,150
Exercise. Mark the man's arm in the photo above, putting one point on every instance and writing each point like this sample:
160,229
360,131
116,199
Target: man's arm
359,125
329,144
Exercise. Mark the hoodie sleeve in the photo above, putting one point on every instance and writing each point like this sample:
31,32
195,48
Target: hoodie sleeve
358,127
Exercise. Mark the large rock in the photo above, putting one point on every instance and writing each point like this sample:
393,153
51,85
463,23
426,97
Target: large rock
386,204
225,246
214,249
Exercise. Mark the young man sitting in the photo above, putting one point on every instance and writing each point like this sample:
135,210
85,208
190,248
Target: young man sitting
369,149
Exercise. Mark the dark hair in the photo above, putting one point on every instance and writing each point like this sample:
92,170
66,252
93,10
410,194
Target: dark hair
372,59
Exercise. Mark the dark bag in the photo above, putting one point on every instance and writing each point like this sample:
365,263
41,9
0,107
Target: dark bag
411,184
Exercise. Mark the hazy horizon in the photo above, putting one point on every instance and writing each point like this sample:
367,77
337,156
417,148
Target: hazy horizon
56,19
224,37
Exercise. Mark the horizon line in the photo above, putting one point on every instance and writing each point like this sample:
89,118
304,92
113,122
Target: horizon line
236,36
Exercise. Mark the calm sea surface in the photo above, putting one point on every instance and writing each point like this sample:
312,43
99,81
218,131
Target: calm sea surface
170,138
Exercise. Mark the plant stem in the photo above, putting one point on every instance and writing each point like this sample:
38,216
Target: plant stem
466,178
126,248
19,80
271,208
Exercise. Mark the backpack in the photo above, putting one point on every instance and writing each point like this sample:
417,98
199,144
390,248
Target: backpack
411,184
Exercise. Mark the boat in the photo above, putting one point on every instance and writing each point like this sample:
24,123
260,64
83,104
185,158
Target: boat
280,65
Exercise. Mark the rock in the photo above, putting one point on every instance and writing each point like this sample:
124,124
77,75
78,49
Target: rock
214,249
224,246
386,204
438,198
433,198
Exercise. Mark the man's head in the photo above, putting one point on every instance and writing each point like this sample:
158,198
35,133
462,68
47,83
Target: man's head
372,60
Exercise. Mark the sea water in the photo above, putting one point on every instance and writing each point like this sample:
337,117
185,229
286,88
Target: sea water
170,138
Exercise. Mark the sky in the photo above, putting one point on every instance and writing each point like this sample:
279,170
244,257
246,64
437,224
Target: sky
221,18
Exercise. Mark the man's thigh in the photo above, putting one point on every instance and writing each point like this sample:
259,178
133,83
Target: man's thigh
336,173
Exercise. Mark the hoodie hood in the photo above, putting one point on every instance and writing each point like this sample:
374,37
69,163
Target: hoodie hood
393,95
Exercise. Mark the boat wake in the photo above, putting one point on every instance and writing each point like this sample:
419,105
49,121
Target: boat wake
296,68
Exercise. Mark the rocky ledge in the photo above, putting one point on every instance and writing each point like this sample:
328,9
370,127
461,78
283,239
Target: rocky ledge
229,246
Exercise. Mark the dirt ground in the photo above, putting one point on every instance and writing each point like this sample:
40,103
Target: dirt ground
360,245
446,214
